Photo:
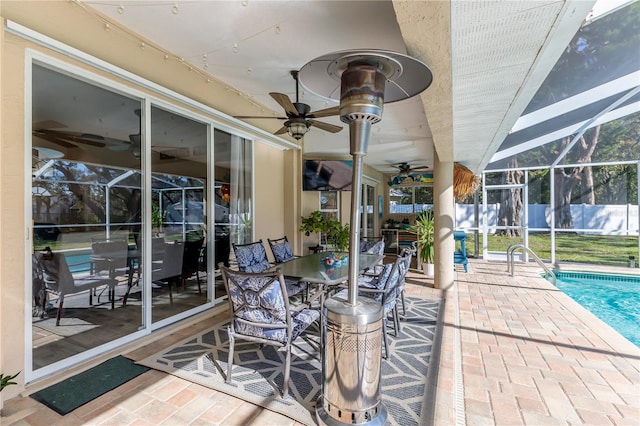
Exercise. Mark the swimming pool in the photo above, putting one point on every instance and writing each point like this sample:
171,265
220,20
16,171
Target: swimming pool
615,299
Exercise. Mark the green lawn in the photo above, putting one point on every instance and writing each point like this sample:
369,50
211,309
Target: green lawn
570,247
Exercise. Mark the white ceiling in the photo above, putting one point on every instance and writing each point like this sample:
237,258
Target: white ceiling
491,56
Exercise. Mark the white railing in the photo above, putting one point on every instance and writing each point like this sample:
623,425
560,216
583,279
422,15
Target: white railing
510,261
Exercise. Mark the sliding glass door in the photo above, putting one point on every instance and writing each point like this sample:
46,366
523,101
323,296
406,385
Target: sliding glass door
121,197
86,196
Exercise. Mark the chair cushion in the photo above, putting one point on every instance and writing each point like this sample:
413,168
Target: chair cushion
294,286
373,247
302,320
257,300
282,252
252,258
277,334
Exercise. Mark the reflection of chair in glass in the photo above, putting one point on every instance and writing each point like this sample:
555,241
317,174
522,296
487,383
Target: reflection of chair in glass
260,313
169,268
58,279
110,257
191,261
252,257
326,173
281,249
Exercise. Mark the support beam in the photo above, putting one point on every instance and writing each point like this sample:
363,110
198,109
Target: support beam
444,209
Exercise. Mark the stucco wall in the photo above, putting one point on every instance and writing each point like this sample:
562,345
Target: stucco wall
71,25
12,223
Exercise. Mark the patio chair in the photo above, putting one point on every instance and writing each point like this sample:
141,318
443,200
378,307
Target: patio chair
383,289
260,312
58,279
407,253
169,268
372,246
111,257
252,257
191,260
281,249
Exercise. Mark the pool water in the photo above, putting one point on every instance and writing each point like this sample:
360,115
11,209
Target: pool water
615,299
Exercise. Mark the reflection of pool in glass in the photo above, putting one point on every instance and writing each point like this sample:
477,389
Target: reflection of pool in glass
78,262
615,299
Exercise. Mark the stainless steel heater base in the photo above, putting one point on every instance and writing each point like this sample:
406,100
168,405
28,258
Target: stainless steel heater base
352,341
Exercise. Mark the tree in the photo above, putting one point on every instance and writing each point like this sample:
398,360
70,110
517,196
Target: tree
510,212
601,51
566,179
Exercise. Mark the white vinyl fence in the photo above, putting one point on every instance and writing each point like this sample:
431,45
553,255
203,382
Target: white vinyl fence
611,219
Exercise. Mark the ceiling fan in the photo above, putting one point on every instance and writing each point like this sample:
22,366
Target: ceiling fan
405,174
406,168
299,116
45,130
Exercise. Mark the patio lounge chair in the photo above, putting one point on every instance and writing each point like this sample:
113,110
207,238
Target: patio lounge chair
259,306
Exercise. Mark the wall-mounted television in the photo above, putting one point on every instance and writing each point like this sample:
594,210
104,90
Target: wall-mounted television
327,175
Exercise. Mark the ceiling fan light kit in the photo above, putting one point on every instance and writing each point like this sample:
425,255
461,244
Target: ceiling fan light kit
298,115
366,79
297,129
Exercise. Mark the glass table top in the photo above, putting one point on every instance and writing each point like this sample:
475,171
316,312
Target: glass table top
311,268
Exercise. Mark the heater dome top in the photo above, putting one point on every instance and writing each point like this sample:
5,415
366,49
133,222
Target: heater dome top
406,76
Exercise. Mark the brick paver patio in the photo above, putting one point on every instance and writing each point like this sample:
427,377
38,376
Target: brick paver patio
514,351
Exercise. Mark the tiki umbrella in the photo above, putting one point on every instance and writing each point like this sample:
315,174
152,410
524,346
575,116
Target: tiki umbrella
465,182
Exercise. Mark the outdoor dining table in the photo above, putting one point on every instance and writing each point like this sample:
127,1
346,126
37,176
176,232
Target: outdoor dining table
312,269
131,259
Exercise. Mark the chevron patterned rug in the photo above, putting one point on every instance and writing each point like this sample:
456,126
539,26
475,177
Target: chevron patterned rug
258,372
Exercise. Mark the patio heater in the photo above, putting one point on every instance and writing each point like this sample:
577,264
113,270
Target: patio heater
352,329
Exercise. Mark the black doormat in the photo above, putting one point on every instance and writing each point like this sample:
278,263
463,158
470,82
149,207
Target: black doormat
76,391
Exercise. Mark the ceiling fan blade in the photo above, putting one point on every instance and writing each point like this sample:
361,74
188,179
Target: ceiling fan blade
326,126
53,139
325,112
48,124
281,130
258,116
285,103
66,137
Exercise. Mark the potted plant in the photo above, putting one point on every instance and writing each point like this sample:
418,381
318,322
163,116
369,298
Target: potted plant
157,219
339,236
315,223
391,223
7,380
424,228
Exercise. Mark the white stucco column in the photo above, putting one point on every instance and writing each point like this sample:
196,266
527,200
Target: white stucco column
444,221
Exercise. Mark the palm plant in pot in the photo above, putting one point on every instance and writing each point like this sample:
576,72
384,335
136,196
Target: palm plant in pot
424,228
